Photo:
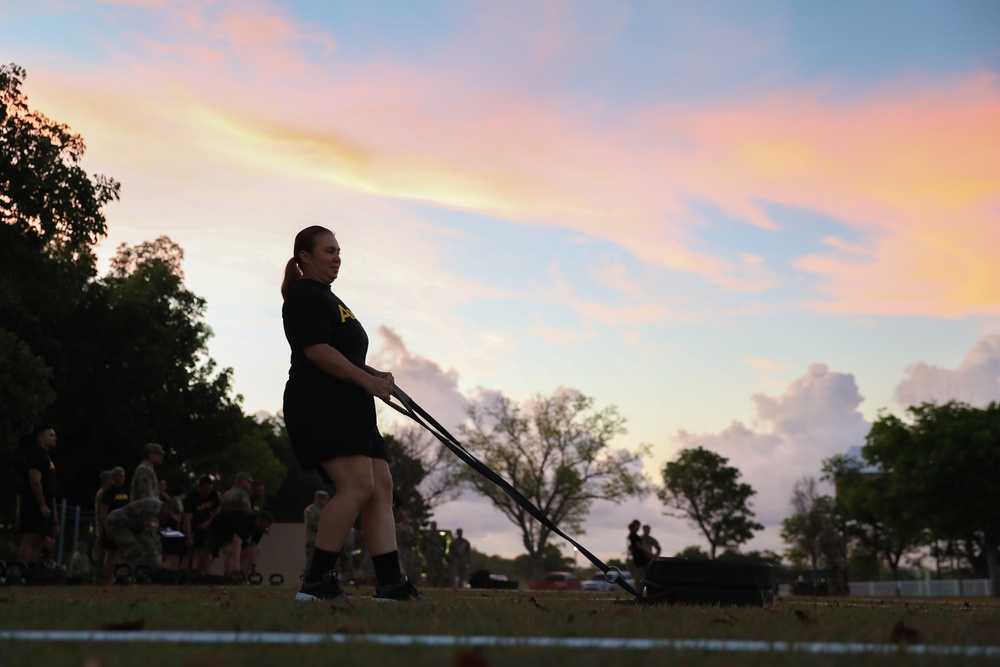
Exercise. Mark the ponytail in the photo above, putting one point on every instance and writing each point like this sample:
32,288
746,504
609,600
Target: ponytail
293,274
304,241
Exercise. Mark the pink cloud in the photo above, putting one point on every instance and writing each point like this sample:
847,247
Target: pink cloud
913,171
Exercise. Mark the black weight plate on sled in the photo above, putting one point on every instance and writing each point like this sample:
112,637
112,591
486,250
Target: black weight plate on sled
687,581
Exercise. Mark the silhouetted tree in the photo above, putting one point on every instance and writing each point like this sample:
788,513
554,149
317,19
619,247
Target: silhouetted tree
700,487
557,452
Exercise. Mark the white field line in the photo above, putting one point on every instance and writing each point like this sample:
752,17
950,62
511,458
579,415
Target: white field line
716,645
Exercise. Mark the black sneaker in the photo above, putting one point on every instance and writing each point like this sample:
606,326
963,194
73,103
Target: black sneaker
327,588
399,591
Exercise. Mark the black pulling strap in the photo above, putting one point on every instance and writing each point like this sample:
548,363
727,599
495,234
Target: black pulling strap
415,412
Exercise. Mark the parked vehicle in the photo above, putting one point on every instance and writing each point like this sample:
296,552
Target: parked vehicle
557,581
599,582
810,583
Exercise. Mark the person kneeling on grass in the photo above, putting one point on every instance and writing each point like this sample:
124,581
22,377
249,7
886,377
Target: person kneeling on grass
135,529
230,529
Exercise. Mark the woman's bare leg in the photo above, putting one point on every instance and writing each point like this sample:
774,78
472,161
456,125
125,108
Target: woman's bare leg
377,521
352,476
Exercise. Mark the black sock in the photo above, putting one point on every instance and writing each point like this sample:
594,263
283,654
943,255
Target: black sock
387,568
323,561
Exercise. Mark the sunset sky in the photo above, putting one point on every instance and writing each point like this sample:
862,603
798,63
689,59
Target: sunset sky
750,226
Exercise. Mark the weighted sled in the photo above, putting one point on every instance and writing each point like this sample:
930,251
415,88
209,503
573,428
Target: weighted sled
727,583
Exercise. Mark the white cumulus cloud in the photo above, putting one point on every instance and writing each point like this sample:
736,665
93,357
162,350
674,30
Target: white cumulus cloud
976,381
816,417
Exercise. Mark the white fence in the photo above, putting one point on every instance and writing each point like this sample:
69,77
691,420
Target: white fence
921,588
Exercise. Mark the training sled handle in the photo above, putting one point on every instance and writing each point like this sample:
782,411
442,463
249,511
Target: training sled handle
416,413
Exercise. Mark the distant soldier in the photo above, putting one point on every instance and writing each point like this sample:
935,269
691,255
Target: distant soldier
257,496
114,497
144,482
650,542
200,507
98,551
434,548
135,528
461,554
639,556
238,497
36,501
231,529
311,516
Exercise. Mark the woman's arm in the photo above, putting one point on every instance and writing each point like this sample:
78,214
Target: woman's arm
333,363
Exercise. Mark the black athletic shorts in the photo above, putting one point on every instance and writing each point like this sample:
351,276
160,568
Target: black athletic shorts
199,539
31,519
175,546
322,428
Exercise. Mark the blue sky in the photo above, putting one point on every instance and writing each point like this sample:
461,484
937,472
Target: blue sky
750,227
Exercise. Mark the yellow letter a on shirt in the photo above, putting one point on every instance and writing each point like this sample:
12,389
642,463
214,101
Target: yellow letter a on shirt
345,312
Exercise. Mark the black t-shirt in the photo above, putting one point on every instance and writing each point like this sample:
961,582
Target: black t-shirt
36,458
200,507
115,497
313,315
639,556
233,522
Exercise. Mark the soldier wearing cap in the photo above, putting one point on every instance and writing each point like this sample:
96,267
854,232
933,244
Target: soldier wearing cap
135,529
311,516
238,497
144,482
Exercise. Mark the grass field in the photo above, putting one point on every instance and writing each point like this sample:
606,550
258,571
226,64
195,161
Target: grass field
462,616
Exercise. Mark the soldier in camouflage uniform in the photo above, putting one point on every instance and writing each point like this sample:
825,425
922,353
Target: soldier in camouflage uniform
238,497
144,482
311,516
135,528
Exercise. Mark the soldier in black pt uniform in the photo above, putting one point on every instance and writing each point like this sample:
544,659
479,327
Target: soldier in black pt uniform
200,507
230,530
114,497
36,502
329,408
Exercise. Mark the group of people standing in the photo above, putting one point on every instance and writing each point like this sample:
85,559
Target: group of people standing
642,549
140,523
143,524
